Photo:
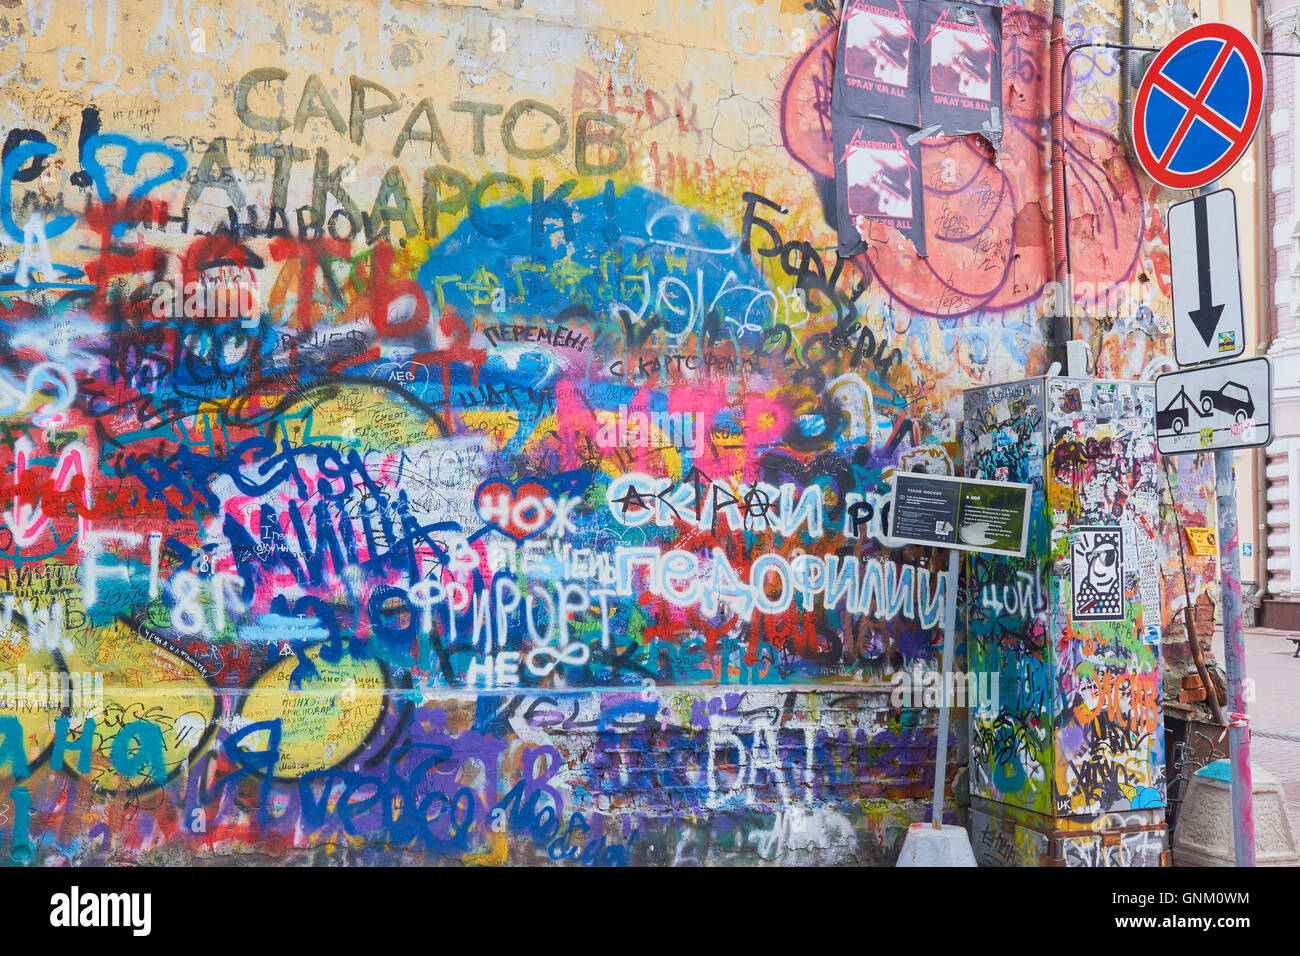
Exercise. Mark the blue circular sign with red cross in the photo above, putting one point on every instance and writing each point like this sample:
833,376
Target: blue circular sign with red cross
1198,106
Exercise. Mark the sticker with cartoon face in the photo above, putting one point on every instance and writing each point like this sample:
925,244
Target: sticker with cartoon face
1097,574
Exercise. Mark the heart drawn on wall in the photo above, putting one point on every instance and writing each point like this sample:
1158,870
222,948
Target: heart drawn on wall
518,510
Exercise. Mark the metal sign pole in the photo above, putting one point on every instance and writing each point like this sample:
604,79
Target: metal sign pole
949,627
957,514
1238,392
1238,401
1234,648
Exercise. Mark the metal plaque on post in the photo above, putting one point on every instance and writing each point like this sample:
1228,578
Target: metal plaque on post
1205,271
1215,407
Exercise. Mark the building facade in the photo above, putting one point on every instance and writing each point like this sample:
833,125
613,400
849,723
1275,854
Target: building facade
1281,332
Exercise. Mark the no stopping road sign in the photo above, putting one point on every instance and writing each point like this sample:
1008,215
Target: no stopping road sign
1198,106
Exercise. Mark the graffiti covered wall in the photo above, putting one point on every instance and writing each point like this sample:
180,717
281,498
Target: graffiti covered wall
438,434
1007,620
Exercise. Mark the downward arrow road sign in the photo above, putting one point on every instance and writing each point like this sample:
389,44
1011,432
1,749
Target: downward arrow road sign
1205,268
1206,317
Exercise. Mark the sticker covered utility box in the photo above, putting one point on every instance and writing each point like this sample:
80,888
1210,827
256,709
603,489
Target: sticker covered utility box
1069,753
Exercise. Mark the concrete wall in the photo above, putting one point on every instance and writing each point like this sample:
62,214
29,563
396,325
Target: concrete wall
531,511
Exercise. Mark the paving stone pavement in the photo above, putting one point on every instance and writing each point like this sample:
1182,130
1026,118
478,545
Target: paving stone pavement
1275,712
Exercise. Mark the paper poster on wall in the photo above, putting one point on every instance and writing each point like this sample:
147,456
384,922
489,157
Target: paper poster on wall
877,176
1202,541
961,59
877,72
1097,574
1149,580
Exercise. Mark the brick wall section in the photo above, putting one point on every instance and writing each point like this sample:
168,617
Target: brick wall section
727,776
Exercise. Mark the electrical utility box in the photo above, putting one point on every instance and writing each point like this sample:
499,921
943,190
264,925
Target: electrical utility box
1067,751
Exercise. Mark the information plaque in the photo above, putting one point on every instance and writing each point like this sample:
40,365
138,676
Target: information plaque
963,513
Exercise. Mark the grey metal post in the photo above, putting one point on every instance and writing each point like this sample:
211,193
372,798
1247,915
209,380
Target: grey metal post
1234,649
949,627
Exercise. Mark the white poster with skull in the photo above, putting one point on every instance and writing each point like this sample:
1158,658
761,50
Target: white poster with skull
1097,574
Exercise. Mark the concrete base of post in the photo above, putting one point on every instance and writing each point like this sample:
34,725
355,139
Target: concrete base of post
926,845
1203,835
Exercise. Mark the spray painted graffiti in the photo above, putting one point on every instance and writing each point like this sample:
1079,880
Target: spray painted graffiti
440,462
